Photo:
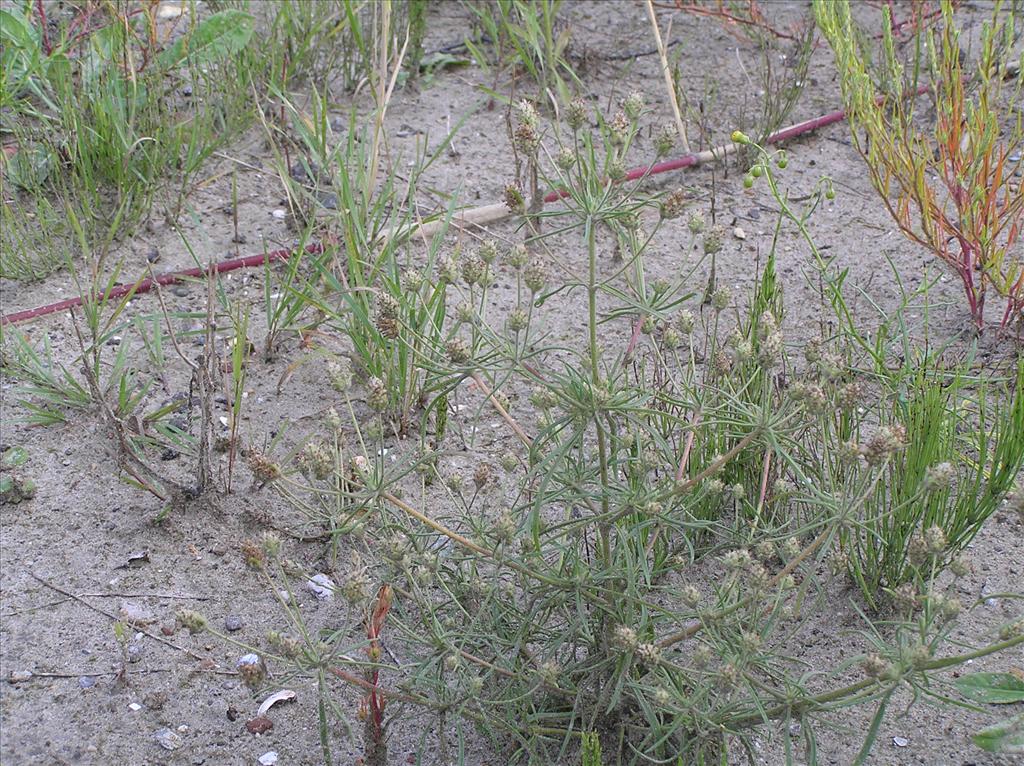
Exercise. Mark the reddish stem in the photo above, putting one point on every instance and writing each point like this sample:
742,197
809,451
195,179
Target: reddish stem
145,285
637,328
45,33
685,459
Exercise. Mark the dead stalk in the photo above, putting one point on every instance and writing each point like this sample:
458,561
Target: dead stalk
666,71
523,436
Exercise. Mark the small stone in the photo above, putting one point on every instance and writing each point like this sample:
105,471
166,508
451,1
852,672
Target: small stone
136,615
900,741
135,559
153,255
155,700
168,628
247,659
180,290
134,652
19,676
168,739
135,707
321,586
279,214
739,233
329,200
259,725
232,713
233,623
268,759
86,682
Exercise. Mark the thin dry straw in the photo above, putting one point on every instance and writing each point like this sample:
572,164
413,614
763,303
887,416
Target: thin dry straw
477,215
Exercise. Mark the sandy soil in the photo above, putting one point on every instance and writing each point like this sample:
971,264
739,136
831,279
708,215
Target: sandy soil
72,693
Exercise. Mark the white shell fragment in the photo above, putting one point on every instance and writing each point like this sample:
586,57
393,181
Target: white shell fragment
321,586
285,695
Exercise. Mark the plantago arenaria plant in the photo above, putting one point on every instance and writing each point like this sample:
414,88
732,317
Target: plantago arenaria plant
627,582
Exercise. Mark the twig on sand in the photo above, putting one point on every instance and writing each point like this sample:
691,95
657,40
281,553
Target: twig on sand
112,616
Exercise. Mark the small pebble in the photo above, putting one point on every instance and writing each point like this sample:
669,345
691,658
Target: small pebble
135,707
260,725
739,233
268,759
167,739
136,615
180,290
900,741
279,214
247,659
155,700
86,682
232,623
153,255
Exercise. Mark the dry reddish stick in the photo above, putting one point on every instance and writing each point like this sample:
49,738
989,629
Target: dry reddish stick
145,285
474,216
